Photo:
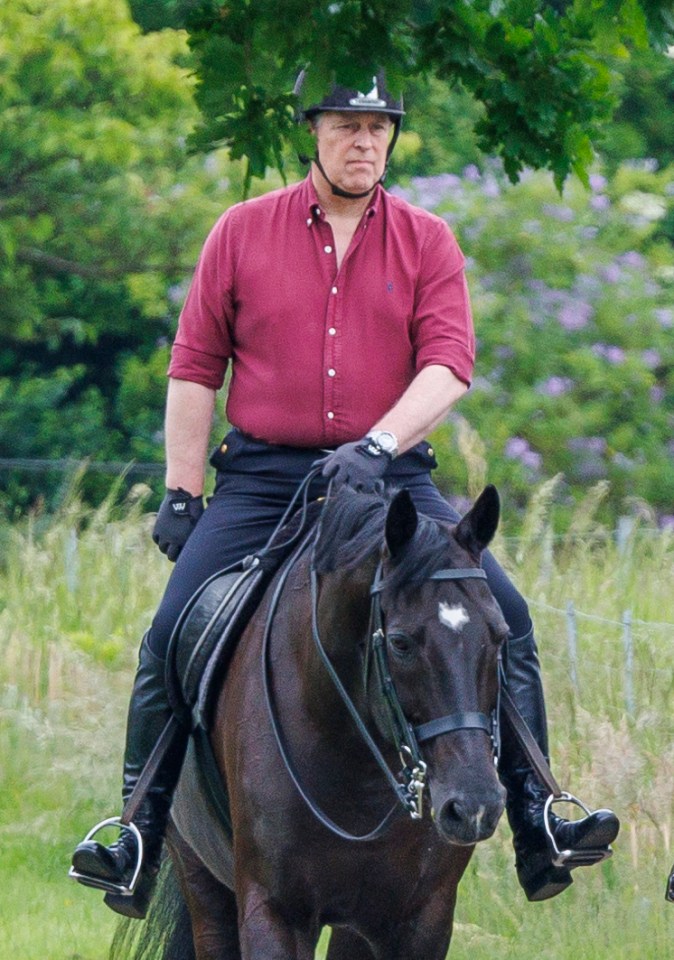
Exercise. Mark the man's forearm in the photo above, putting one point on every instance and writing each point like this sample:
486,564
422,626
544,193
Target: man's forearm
423,406
189,415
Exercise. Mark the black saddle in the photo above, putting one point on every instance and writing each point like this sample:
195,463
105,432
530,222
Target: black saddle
205,638
207,633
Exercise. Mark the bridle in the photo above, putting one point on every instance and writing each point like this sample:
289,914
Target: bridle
409,785
406,737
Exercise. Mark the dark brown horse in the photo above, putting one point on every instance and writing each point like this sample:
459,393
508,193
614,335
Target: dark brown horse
378,642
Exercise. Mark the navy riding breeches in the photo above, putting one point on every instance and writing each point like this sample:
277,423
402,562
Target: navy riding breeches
255,483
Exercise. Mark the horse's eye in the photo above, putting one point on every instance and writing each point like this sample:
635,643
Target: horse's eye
400,644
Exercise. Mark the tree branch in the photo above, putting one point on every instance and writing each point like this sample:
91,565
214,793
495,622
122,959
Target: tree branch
91,271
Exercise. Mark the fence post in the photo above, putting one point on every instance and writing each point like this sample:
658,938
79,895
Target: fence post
628,647
624,532
571,636
72,561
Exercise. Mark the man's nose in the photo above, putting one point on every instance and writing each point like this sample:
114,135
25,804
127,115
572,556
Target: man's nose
364,139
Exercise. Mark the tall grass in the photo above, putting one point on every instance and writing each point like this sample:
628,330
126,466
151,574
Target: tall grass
76,593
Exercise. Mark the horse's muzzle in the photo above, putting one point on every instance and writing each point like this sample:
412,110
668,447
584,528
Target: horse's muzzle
464,818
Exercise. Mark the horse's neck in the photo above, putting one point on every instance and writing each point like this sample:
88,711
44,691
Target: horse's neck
342,620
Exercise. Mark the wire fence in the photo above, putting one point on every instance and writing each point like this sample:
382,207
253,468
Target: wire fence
575,662
114,467
640,668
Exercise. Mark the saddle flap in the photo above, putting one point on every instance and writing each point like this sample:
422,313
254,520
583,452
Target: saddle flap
208,631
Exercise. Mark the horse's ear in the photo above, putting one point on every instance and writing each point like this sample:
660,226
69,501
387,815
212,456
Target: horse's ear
475,531
401,522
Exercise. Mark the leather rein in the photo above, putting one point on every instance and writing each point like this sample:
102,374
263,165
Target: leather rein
408,786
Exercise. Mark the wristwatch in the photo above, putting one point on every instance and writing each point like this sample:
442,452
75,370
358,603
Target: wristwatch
382,441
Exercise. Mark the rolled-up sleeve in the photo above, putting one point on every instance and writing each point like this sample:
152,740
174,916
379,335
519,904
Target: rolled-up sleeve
203,344
442,326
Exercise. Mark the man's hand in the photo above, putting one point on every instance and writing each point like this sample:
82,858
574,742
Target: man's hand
361,465
176,519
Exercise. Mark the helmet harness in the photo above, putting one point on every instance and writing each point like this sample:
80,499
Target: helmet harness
342,100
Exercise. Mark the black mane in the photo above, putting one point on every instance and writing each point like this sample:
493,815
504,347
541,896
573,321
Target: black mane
353,530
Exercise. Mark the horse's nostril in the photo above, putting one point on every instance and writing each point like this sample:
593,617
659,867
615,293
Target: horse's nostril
468,819
453,811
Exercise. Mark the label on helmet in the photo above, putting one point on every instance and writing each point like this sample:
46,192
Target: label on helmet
371,99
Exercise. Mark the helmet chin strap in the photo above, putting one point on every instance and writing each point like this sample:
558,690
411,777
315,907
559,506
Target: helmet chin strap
337,191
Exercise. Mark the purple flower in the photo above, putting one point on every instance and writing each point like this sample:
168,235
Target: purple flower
471,172
590,471
555,386
612,273
564,214
587,285
594,445
615,354
516,447
600,202
666,521
431,191
651,358
402,192
597,181
531,459
609,352
657,394
575,314
633,259
664,316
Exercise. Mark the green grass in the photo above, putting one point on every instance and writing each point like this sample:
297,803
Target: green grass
76,594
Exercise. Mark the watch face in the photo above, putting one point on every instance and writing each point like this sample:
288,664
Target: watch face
385,441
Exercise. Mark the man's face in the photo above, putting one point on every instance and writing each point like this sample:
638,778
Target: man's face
352,148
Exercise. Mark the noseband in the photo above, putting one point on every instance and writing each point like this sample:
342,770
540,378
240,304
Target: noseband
406,737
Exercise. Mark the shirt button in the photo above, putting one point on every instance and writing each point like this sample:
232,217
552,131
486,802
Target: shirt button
332,331
334,290
328,249
331,372
331,415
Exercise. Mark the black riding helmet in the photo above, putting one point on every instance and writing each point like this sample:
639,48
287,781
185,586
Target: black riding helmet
343,100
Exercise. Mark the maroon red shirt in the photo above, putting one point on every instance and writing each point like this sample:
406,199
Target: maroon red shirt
319,354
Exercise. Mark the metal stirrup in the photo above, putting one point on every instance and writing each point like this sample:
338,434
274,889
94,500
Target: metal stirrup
572,858
124,890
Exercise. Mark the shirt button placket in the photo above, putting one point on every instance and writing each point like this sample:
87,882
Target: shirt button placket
330,346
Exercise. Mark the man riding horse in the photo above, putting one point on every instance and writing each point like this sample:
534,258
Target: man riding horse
345,316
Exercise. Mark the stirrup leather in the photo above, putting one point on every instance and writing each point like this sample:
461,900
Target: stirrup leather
121,889
572,858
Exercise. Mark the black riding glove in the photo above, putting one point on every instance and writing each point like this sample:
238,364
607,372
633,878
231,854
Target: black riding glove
176,519
360,464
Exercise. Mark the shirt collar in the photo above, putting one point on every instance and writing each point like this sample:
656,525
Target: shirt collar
314,211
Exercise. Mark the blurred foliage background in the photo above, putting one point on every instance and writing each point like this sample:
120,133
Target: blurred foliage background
106,200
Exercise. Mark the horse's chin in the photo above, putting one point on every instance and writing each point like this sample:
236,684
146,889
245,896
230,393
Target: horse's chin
467,827
453,840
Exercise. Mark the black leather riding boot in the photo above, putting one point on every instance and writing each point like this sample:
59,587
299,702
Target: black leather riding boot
526,795
149,711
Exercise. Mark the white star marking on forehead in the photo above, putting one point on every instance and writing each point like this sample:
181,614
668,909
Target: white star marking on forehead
454,617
